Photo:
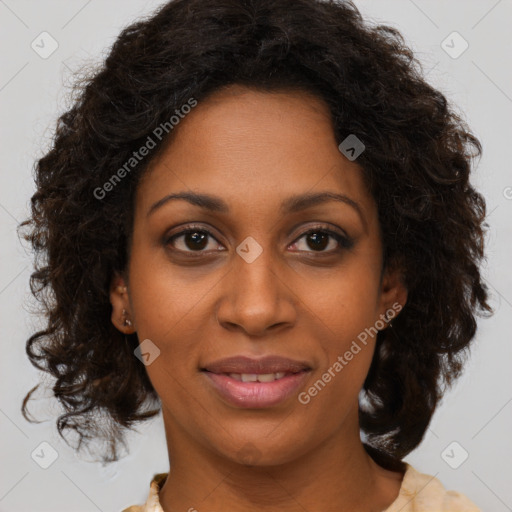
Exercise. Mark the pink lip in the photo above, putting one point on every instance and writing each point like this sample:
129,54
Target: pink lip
256,394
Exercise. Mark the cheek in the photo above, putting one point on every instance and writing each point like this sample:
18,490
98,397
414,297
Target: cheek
344,312
166,309
164,300
345,302
347,346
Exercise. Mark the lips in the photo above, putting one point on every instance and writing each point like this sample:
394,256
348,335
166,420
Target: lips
248,365
256,383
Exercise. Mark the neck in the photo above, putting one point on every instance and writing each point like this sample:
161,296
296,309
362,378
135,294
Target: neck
337,475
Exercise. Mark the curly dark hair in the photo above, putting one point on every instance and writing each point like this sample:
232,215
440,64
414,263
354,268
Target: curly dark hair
416,165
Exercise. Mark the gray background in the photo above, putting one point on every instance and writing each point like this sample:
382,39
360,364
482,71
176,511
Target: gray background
476,414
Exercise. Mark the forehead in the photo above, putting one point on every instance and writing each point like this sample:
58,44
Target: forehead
253,148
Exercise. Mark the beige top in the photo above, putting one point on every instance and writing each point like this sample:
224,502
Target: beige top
418,493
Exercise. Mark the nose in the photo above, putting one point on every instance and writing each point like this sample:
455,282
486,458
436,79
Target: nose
256,297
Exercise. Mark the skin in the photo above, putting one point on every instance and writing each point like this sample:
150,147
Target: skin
255,149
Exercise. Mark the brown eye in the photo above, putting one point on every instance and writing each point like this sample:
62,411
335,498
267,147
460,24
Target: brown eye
318,240
193,240
196,240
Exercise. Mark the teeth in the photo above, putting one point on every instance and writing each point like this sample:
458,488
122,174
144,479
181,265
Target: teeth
254,377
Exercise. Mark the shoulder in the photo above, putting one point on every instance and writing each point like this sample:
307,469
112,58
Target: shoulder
425,493
152,503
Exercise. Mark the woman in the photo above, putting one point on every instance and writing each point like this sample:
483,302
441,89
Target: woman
257,218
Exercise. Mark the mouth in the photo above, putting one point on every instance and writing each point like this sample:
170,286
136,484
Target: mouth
244,365
257,377
256,390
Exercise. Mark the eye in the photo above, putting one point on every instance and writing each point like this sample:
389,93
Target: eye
320,237
196,239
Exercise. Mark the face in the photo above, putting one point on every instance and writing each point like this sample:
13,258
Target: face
258,274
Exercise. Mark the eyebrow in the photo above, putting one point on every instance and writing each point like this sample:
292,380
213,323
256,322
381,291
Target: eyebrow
292,204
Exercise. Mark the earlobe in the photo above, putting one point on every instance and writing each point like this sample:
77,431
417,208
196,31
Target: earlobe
393,294
119,298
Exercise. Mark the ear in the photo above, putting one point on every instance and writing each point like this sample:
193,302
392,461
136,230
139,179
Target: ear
121,308
393,294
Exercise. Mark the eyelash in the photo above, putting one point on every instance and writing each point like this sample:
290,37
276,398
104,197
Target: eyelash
343,241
